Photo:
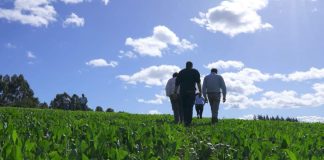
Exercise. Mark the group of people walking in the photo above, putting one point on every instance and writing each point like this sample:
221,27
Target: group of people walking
181,89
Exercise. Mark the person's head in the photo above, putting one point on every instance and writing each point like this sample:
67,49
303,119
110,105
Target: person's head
213,70
175,74
189,65
82,95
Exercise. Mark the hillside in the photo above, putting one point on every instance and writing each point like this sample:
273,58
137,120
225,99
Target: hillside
57,134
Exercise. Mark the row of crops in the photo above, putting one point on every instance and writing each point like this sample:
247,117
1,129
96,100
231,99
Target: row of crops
54,134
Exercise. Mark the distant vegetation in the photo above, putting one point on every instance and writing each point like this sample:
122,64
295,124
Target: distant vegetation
15,91
277,118
58,134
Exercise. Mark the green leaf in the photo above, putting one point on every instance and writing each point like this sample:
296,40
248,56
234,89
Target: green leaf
18,154
84,157
84,146
14,136
54,155
29,145
284,144
291,155
121,154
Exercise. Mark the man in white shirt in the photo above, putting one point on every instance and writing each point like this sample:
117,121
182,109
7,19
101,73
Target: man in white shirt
213,86
174,98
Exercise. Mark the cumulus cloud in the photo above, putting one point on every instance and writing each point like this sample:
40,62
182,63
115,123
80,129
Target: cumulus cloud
238,101
247,117
105,2
31,55
233,17
101,63
284,99
225,65
154,112
74,20
127,54
36,13
152,76
161,39
310,119
242,85
159,98
312,73
243,82
72,1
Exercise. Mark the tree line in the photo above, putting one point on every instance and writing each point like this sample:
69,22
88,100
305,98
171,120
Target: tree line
16,92
271,118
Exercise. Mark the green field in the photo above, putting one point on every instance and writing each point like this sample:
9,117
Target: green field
55,134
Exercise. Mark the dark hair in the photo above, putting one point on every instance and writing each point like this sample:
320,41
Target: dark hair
214,70
189,65
175,74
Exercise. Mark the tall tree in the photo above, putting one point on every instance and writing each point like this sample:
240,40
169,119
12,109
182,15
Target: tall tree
75,102
99,109
110,110
15,91
65,101
61,101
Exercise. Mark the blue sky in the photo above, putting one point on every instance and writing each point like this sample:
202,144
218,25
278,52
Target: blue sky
121,53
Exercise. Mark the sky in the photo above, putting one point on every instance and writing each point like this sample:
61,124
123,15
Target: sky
120,53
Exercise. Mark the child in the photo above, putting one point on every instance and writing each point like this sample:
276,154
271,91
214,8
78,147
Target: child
199,104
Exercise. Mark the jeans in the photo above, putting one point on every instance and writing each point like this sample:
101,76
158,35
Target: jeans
214,100
199,110
187,100
177,109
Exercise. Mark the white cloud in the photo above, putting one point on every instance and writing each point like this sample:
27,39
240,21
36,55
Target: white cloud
312,73
247,117
242,88
10,45
154,112
159,98
101,63
128,54
31,55
161,39
238,101
241,85
225,65
233,17
72,1
152,76
36,13
311,119
284,99
243,82
74,20
105,2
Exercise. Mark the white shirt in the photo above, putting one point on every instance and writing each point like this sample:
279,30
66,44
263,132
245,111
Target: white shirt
214,83
170,86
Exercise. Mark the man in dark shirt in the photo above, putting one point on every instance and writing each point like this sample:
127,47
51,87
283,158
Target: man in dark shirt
187,80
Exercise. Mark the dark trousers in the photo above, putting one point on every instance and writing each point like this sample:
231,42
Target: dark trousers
187,102
177,109
199,110
214,100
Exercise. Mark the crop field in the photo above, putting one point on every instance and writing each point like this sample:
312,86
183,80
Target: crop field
55,134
